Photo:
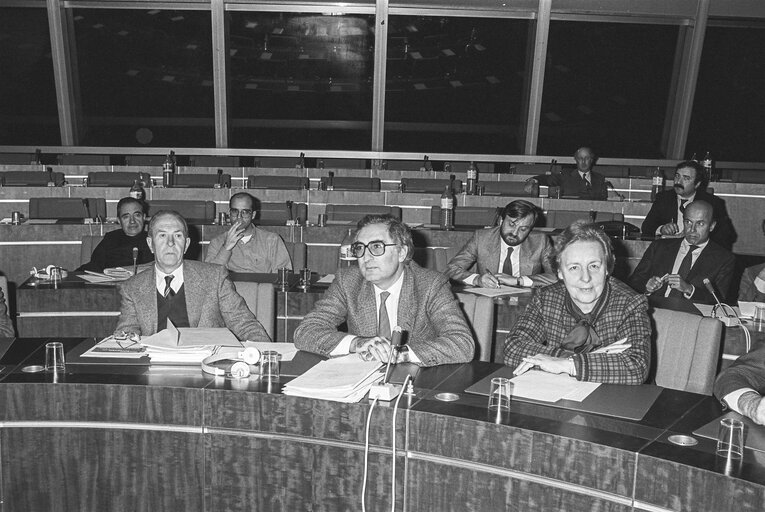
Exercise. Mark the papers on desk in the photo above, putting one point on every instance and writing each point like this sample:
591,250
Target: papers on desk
343,379
109,275
286,350
186,345
550,387
747,308
328,279
113,348
497,292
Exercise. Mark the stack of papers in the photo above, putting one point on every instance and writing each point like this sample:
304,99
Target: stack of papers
187,345
549,387
109,275
343,379
110,348
497,292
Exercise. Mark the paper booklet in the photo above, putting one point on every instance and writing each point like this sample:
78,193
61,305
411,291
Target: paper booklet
497,292
341,379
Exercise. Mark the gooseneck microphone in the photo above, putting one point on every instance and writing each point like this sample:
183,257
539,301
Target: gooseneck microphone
135,260
711,289
611,186
395,345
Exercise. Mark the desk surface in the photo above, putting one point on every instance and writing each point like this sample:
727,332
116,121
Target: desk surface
293,451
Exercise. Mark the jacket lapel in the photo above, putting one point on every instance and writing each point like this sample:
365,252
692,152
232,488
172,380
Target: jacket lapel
406,305
147,291
494,252
367,310
192,283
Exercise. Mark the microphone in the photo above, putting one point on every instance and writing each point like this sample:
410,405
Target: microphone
711,290
86,206
289,211
611,186
552,164
220,178
395,345
135,260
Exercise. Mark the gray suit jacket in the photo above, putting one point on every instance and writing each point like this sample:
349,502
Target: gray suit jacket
748,291
483,250
427,311
211,301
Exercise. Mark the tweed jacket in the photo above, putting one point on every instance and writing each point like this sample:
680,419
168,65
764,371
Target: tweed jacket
747,291
572,184
427,311
483,250
211,301
748,371
6,327
546,322
714,262
664,211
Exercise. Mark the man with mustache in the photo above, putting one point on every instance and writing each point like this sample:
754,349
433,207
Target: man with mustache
508,254
667,213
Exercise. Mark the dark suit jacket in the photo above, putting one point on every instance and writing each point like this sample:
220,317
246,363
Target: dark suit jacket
748,371
6,327
483,249
716,263
747,290
664,211
427,310
211,301
572,184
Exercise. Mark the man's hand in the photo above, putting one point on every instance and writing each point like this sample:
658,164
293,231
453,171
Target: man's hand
752,406
374,349
487,280
508,280
761,275
669,229
655,283
233,235
676,282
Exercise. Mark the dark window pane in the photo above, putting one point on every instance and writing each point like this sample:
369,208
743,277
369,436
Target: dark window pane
301,80
606,86
728,116
454,84
28,111
145,77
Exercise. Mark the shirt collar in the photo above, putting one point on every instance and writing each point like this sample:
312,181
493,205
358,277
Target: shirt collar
395,288
686,246
175,284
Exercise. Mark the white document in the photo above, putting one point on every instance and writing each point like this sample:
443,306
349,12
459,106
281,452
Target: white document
286,350
187,345
550,387
342,379
111,348
328,279
747,308
498,292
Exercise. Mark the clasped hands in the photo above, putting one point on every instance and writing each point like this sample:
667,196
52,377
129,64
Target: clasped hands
489,280
672,280
546,363
376,348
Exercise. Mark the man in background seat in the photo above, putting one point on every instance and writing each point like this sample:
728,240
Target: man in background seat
508,254
245,248
582,182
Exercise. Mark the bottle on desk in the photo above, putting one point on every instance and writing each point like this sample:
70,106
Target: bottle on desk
446,220
346,256
657,183
168,170
472,179
426,166
330,180
709,168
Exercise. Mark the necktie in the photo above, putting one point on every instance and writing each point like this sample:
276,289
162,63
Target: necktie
383,322
168,290
507,267
683,202
685,265
586,178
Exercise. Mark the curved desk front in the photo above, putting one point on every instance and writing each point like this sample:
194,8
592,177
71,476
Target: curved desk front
139,438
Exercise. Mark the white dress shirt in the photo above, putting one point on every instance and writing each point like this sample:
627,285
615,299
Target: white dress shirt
175,284
684,248
515,259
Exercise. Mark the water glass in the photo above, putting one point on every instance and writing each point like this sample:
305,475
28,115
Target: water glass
54,357
730,438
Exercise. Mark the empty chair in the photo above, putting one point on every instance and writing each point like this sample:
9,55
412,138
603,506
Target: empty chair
340,183
564,218
508,188
67,208
429,186
277,214
345,163
279,182
479,313
473,217
687,350
298,254
32,178
17,158
355,212
84,159
214,161
202,181
145,160
261,300
434,258
195,212
118,179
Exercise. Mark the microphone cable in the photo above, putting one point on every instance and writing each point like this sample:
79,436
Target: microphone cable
722,306
366,455
393,445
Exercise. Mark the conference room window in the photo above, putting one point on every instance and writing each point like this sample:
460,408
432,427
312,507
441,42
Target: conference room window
728,117
301,80
455,85
145,77
606,85
28,110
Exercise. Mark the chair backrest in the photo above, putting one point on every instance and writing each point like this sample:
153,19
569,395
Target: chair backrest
342,183
195,212
67,208
261,300
564,218
201,180
298,254
429,186
276,214
84,159
214,161
479,313
279,182
145,160
686,349
434,258
17,158
118,179
89,243
354,212
470,216
32,178
508,188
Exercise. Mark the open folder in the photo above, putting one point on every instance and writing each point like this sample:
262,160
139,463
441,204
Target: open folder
186,345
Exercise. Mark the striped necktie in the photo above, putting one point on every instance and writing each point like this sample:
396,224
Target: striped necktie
383,322
168,290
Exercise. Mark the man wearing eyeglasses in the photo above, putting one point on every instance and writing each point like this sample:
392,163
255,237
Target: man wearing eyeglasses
508,254
666,216
385,290
245,248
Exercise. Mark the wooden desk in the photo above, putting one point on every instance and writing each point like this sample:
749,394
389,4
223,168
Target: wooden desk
114,438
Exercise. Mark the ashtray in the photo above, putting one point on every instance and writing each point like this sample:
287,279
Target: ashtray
447,397
682,440
35,368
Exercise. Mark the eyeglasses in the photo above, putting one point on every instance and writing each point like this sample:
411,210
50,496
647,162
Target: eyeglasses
376,248
233,212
